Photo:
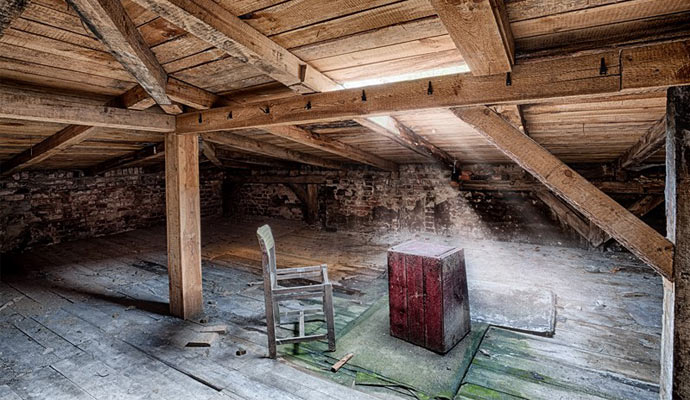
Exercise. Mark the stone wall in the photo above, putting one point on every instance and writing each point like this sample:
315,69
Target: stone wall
47,207
417,198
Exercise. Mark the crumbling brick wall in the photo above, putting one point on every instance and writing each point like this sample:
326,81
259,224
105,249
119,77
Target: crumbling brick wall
417,198
47,207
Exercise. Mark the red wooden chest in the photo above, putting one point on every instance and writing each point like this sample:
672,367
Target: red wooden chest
427,289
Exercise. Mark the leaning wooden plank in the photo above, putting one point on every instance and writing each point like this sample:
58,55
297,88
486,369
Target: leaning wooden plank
69,136
651,142
17,105
314,140
533,82
268,149
481,31
640,208
109,22
614,219
564,213
9,10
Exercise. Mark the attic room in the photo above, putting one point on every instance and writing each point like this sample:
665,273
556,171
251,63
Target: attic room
362,199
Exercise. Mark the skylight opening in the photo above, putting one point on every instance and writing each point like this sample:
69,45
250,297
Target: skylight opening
430,73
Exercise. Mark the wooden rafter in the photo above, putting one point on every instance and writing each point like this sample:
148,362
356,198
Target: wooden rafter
271,150
640,208
151,152
314,140
209,151
579,76
109,22
9,10
614,219
215,25
481,31
652,141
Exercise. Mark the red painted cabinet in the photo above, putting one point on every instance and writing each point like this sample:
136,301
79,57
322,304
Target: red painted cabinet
427,289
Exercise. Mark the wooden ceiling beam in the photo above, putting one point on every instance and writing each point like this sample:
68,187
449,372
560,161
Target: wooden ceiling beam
271,150
650,66
17,104
614,219
218,27
209,151
345,150
9,10
406,137
652,141
151,152
109,22
215,25
481,31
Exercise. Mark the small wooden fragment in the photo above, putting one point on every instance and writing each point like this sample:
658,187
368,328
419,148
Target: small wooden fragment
341,362
221,328
202,339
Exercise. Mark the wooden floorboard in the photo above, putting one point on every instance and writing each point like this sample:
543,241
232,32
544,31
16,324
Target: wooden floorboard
88,319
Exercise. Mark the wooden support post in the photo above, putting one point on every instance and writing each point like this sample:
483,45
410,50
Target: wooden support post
183,224
675,343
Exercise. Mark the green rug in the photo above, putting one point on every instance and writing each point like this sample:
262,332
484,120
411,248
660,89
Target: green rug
382,360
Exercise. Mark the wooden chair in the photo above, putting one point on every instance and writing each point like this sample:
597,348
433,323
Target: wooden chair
274,293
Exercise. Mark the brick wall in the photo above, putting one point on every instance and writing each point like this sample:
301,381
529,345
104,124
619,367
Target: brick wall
417,198
47,207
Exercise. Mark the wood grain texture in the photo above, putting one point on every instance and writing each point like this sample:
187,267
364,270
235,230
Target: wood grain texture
675,375
271,150
109,21
651,142
482,33
533,82
614,219
300,135
47,108
183,224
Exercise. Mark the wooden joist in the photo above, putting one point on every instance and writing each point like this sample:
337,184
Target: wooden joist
481,31
218,27
150,152
209,151
213,24
406,137
111,24
66,137
614,219
652,141
549,80
24,106
314,140
271,150
9,10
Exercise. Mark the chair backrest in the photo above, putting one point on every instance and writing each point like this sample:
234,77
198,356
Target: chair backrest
268,250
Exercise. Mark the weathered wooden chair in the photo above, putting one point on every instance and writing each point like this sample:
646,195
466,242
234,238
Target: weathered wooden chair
274,293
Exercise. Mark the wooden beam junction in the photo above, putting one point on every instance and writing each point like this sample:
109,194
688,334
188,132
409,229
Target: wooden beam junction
548,80
652,141
110,23
614,219
481,31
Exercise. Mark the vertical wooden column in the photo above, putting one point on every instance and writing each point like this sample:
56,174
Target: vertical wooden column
675,345
183,224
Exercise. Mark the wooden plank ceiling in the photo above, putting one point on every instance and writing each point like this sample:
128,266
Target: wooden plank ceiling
49,47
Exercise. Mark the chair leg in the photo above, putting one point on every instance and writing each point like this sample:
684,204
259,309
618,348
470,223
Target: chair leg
270,323
330,317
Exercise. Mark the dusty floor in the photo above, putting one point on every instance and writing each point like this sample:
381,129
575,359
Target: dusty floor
87,319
